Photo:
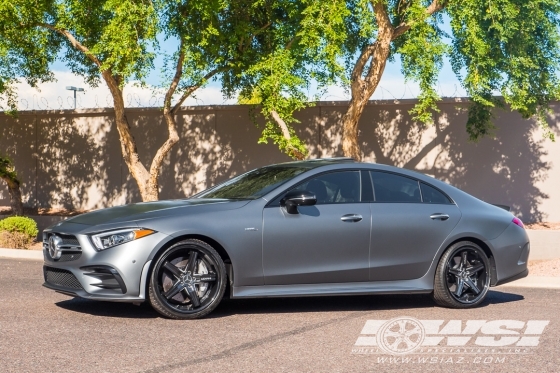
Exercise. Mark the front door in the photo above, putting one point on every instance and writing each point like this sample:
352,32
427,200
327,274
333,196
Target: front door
324,243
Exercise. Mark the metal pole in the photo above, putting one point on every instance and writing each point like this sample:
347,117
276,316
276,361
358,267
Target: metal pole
75,99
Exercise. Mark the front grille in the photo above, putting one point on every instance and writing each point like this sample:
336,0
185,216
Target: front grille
61,277
69,256
69,246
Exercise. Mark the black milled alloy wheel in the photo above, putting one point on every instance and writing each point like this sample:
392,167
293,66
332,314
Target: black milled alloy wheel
188,280
462,276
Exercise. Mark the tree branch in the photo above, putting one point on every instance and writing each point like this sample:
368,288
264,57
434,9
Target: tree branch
75,43
194,87
252,36
176,78
434,7
281,124
292,151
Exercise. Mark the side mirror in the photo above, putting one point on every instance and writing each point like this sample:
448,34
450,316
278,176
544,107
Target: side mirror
296,198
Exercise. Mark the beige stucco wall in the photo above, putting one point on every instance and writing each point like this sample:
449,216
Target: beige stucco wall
72,159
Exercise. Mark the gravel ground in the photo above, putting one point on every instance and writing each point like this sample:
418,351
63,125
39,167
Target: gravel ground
545,268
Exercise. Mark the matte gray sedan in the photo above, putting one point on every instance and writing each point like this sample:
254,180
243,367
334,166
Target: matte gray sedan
318,227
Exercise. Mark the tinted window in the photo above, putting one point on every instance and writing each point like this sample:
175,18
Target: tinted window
253,184
432,195
335,187
394,188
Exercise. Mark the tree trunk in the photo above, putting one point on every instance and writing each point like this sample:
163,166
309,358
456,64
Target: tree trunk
15,197
364,84
362,87
128,143
147,180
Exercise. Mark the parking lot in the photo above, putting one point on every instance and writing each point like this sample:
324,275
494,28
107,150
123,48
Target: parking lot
43,331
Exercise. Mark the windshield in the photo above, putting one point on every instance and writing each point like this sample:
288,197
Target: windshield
253,184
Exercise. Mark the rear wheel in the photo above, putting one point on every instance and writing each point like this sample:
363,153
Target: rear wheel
188,280
462,277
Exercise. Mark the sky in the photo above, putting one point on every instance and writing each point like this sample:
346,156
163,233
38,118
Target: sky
54,95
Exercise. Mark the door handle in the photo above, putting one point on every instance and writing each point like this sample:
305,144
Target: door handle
439,216
351,218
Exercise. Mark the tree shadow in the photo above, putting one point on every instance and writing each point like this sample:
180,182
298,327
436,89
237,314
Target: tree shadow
73,160
506,169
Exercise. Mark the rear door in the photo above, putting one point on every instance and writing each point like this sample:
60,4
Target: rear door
410,221
324,243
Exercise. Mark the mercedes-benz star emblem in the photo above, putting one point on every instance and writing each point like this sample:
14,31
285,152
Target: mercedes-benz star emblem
54,250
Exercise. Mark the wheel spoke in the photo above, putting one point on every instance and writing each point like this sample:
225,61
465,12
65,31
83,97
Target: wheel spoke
459,290
173,269
469,282
191,291
464,261
192,261
454,271
476,268
175,289
205,277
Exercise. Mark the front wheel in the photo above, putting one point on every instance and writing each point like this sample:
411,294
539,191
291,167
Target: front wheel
462,277
188,280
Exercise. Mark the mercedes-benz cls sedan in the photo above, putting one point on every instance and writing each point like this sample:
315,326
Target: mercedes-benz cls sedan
318,227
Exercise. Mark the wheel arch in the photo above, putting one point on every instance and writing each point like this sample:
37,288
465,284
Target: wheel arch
210,241
484,246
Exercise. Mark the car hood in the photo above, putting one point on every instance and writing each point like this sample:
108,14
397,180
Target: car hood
150,210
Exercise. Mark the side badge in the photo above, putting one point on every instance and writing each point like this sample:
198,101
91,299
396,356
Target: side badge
251,229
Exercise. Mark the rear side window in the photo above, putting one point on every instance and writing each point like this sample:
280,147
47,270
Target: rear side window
394,188
432,195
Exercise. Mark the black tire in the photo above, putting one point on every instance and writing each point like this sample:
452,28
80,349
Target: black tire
462,276
181,290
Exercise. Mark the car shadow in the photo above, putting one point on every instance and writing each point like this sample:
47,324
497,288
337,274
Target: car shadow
229,307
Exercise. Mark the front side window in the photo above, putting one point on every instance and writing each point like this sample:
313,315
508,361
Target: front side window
334,187
394,188
253,184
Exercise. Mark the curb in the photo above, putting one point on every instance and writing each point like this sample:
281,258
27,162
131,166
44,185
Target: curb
21,254
542,282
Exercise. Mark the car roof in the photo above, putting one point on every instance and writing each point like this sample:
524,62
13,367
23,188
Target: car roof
318,162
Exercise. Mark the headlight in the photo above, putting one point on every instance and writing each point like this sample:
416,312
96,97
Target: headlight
106,240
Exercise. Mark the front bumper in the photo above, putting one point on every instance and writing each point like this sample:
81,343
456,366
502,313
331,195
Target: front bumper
116,274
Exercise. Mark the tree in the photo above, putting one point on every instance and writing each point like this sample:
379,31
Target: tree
500,47
8,174
243,43
302,45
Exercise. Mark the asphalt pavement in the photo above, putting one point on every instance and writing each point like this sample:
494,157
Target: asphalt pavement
43,331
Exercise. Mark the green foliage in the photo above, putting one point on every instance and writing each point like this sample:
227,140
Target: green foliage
20,224
508,48
7,170
270,51
302,43
119,37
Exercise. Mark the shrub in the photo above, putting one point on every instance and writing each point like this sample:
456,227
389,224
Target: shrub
17,232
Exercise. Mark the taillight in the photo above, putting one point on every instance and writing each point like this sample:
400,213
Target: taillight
518,222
